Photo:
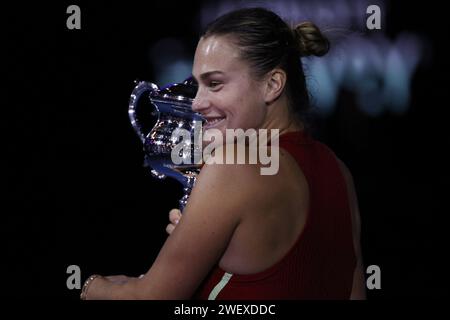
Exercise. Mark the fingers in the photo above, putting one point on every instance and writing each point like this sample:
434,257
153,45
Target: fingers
170,228
174,216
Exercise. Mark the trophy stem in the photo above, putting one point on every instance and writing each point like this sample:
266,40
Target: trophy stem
190,181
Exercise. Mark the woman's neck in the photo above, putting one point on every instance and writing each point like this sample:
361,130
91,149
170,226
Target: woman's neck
280,117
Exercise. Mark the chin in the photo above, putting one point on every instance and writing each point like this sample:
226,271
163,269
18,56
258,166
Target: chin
216,136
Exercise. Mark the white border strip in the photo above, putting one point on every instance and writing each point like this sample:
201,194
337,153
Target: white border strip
222,283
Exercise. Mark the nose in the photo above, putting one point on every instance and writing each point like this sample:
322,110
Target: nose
199,103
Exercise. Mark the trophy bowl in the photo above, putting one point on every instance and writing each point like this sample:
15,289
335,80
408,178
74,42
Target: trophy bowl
175,131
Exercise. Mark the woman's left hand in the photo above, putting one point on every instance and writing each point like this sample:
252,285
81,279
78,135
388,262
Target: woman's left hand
105,287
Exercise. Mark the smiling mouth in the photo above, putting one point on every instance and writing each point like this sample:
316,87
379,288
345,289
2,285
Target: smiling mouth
212,122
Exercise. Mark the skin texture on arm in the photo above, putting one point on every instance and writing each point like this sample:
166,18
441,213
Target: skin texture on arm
212,214
359,283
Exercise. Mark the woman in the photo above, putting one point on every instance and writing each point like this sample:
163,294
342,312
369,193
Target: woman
243,235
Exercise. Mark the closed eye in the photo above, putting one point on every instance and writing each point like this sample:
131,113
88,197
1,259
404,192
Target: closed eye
214,84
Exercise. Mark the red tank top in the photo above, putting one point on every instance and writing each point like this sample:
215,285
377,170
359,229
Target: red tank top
320,264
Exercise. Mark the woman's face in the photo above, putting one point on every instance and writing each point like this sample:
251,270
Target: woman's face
228,97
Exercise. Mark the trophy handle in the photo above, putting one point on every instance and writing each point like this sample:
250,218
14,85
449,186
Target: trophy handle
138,90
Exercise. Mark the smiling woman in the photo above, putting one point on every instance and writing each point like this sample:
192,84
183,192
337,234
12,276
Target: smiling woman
243,235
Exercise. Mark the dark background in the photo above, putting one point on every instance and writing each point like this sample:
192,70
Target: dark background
75,189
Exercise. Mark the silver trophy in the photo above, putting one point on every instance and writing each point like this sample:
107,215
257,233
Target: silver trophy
167,112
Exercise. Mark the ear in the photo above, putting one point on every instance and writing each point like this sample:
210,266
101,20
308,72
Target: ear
275,82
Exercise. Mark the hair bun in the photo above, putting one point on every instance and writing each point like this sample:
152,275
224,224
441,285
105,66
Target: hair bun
310,40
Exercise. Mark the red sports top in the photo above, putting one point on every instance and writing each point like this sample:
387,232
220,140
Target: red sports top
320,265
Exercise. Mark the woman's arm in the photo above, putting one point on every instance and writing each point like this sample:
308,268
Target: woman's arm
221,195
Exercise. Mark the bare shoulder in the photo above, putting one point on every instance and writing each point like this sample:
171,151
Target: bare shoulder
244,187
233,183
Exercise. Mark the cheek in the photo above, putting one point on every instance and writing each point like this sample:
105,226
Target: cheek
250,113
243,106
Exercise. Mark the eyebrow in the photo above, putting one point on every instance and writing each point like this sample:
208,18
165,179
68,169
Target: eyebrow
206,75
